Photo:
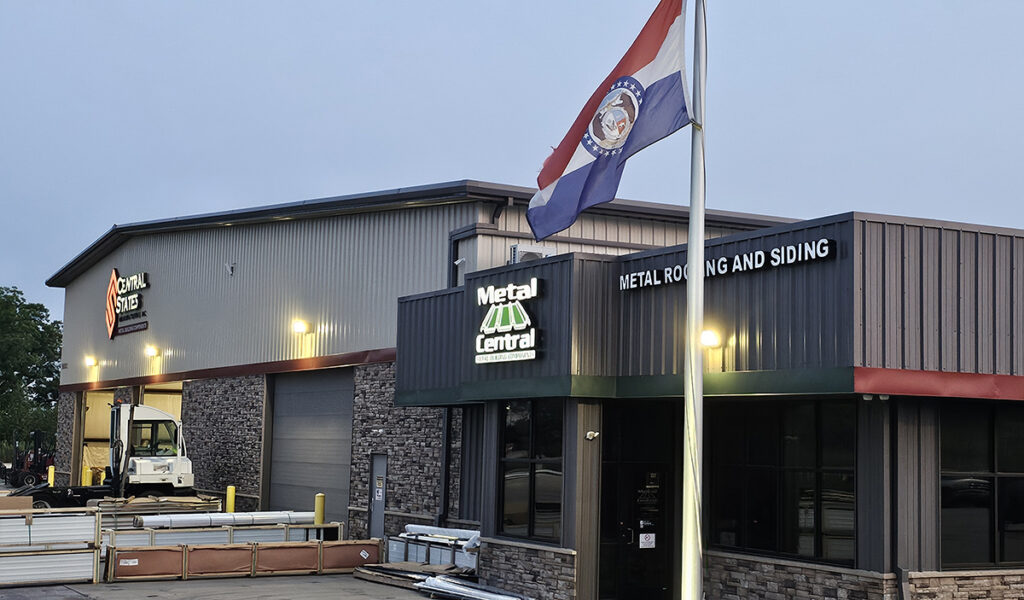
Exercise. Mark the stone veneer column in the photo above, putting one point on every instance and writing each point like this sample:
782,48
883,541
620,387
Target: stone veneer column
223,421
411,438
541,572
65,438
730,576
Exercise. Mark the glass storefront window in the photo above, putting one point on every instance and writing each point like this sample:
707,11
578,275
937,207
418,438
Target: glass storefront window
982,483
531,492
794,492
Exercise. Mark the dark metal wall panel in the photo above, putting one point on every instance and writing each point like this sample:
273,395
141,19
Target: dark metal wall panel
789,317
551,314
874,500
595,338
938,296
432,341
471,486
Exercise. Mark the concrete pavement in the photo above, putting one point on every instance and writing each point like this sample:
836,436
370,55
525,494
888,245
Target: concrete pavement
304,587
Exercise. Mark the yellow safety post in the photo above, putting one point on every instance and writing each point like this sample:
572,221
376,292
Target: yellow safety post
318,509
49,475
86,477
230,500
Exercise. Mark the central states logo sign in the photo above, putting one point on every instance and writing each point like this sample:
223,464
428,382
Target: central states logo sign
506,333
124,303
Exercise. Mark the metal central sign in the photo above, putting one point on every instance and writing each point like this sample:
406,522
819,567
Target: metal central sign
506,332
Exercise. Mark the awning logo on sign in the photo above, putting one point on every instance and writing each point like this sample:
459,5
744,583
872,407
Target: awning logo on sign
506,333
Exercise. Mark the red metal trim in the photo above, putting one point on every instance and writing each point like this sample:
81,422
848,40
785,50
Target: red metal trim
897,382
363,357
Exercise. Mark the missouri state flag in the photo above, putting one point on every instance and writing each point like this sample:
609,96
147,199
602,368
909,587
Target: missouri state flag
641,101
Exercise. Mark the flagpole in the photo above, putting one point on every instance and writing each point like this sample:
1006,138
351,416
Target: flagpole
693,377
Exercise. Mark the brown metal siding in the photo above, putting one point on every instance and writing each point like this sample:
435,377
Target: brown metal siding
938,296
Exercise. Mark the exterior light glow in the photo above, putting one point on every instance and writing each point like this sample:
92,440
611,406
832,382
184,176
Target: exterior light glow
300,326
710,339
90,361
152,351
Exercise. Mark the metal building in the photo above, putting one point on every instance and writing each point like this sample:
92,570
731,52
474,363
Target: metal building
863,431
272,331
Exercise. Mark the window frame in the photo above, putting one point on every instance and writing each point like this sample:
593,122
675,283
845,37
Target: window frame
992,408
777,472
532,464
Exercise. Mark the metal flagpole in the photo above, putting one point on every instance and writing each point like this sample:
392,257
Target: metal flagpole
692,554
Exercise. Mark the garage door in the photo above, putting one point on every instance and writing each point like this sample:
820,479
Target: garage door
311,450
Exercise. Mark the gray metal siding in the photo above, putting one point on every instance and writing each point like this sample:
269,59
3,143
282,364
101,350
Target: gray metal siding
873,489
341,274
916,484
311,451
938,296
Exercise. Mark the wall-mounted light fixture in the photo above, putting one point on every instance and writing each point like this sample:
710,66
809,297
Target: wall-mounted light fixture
300,326
90,361
709,338
151,351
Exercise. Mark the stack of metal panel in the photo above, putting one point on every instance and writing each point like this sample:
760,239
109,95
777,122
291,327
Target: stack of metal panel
49,546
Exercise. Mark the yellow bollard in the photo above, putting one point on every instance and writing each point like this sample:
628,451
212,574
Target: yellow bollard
86,477
318,510
49,475
229,501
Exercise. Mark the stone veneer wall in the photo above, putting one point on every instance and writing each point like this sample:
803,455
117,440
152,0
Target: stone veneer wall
65,436
730,576
538,571
223,423
954,585
411,437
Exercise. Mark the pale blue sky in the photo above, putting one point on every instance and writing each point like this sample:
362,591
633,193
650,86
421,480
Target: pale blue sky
115,112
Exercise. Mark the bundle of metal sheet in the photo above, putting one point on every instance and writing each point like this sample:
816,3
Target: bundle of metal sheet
48,546
221,519
449,587
118,513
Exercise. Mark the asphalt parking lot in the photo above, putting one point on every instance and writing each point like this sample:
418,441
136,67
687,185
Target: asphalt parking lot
311,587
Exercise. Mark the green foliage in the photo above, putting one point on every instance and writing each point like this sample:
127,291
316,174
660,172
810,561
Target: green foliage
29,369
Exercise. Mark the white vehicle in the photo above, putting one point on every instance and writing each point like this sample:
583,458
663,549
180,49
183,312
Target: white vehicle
147,452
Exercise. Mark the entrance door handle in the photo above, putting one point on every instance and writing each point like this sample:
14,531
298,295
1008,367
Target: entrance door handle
632,536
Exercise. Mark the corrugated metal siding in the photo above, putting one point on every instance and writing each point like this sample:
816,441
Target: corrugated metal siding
789,317
939,297
595,311
341,274
433,342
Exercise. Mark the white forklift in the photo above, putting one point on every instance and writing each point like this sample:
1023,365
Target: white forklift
147,458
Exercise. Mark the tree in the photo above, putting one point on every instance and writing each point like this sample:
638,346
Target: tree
29,368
